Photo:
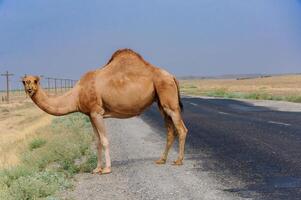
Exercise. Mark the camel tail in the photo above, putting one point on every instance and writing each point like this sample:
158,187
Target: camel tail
179,95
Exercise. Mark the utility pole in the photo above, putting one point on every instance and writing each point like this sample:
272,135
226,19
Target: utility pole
7,84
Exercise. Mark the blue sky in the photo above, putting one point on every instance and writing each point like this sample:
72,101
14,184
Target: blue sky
65,38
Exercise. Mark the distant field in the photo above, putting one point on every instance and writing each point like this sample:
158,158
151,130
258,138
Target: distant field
283,88
16,95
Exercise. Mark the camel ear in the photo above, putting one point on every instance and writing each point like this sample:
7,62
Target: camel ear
37,79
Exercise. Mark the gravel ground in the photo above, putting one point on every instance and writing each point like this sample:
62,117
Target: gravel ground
134,147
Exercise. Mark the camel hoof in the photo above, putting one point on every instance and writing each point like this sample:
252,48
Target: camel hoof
178,162
106,170
160,161
97,170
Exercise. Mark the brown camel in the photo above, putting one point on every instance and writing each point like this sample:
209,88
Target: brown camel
123,88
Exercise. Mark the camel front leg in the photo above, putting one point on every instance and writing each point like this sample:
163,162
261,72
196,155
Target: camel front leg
99,149
99,124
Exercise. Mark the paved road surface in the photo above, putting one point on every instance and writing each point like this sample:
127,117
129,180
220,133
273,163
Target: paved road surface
256,145
235,150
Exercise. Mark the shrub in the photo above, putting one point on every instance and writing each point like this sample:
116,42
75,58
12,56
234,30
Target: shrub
40,184
296,99
90,163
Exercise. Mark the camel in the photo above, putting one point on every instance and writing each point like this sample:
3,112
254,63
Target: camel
123,88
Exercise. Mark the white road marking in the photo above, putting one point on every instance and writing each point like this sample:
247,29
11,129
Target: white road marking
224,113
279,123
194,104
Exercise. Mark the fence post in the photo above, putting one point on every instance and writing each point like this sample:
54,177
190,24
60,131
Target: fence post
61,85
65,84
48,84
55,86
7,84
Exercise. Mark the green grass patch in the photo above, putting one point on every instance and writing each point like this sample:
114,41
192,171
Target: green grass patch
221,92
36,143
296,99
51,160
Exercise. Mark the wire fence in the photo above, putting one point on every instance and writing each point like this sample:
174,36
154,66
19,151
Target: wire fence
12,89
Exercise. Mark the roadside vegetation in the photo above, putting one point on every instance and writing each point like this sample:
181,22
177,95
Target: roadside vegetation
50,160
279,88
18,123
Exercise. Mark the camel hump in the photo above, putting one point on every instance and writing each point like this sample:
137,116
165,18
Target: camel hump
126,54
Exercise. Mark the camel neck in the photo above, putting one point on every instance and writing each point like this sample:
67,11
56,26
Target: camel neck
56,105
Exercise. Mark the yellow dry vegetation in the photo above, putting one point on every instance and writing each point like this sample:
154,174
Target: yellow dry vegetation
286,85
18,123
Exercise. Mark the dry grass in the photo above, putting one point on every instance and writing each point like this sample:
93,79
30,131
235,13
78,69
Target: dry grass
277,87
18,122
50,159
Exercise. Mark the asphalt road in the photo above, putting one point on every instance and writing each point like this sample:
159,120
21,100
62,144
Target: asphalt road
255,151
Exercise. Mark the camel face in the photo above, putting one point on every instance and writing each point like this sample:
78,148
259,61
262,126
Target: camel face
31,84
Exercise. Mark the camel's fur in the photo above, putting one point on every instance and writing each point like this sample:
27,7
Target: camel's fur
123,88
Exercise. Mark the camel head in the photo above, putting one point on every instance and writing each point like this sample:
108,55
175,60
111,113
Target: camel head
31,84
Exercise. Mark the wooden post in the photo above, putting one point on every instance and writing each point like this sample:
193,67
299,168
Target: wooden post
61,85
48,83
7,84
66,85
55,86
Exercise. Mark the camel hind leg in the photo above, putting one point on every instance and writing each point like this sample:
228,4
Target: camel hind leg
182,132
168,94
170,138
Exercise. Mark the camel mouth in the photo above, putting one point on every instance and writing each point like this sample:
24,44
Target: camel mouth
30,92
